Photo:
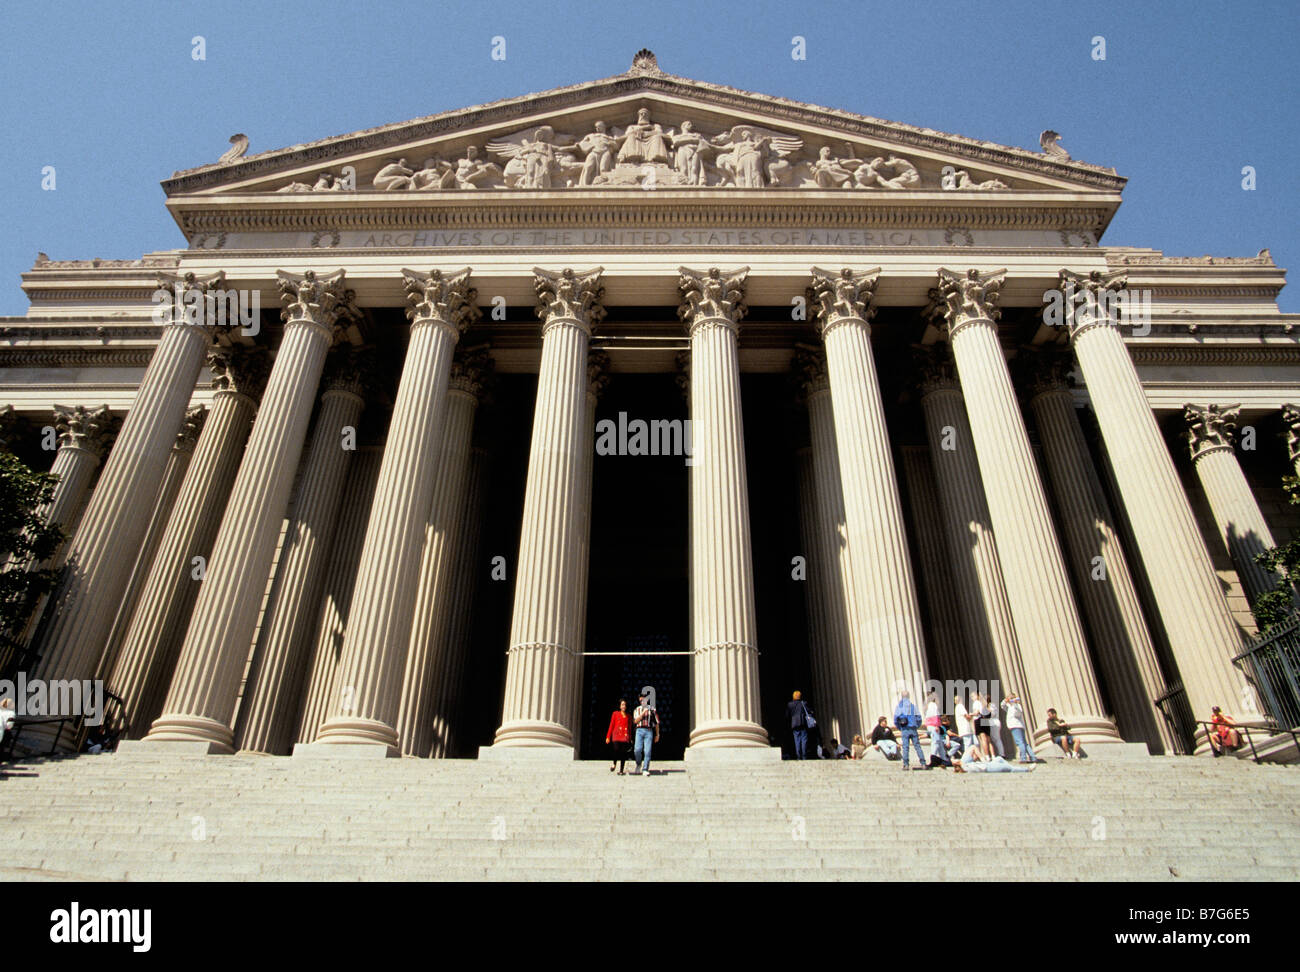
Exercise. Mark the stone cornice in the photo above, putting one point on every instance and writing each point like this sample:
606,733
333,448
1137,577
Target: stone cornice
629,85
210,216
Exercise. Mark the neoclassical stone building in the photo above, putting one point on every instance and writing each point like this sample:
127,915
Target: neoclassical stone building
436,489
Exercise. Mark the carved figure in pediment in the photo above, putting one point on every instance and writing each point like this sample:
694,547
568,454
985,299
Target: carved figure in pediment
434,173
472,172
689,147
599,146
890,173
537,163
756,158
829,172
295,187
961,180
643,141
395,175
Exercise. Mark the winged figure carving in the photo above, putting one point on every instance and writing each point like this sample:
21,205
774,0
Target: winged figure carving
539,159
756,158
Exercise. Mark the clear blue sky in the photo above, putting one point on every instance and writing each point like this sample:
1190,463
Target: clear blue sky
108,93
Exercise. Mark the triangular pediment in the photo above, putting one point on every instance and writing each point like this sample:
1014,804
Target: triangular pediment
647,130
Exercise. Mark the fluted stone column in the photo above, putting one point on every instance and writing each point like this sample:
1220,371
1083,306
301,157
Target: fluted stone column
840,697
83,436
383,602
725,699
1291,419
1210,433
597,379
544,666
815,596
1198,622
201,700
886,634
1053,648
86,600
993,651
269,712
947,640
336,603
173,477
426,656
152,641
449,680
1121,641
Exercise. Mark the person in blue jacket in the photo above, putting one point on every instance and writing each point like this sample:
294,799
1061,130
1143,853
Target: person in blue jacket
908,720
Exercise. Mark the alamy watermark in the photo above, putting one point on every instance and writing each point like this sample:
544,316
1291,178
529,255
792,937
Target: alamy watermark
209,308
638,437
1075,307
41,698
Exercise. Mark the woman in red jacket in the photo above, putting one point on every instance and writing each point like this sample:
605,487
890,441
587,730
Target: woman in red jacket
617,736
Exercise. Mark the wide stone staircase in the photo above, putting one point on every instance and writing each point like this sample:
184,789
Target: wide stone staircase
147,816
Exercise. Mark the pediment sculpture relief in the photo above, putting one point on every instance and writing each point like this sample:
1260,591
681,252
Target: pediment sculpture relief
648,155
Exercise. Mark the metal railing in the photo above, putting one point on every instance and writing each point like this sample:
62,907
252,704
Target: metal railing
72,730
1272,666
1177,712
1212,730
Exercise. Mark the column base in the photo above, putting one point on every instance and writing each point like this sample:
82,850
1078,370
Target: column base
527,754
729,735
162,747
349,731
532,735
172,728
1088,732
339,750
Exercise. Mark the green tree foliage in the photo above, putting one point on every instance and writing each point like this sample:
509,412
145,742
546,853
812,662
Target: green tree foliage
25,542
1278,605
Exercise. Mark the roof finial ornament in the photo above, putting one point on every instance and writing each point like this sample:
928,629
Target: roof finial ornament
1050,141
645,62
240,143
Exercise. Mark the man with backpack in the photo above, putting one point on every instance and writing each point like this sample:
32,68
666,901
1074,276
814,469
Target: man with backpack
908,721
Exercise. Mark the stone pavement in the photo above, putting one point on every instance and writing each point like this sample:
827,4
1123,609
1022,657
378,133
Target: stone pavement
146,816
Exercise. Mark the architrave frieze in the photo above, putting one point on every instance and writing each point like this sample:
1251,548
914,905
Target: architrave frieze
376,211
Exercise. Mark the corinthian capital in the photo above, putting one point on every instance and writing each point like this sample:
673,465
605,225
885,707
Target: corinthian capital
1088,298
240,370
184,300
84,428
810,371
471,370
597,373
570,296
1210,428
350,370
441,299
1291,419
842,297
1041,371
190,428
311,298
711,296
964,298
935,369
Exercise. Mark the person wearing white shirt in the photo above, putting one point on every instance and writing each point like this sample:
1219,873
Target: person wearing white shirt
965,727
1015,710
